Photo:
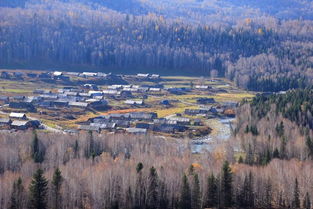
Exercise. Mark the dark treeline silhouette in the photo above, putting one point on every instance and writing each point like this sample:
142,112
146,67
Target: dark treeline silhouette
258,54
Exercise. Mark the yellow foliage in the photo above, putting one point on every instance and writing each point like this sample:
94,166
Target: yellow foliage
196,165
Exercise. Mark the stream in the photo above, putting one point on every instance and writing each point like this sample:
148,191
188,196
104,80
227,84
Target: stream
221,132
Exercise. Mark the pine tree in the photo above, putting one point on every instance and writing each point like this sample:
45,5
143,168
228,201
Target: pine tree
307,201
37,152
38,191
276,153
196,193
152,190
250,156
296,195
212,192
309,145
57,180
76,149
185,195
17,195
246,195
240,160
226,186
139,191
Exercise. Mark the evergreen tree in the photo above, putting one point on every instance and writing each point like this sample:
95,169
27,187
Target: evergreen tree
139,191
226,186
246,195
309,145
240,160
56,187
152,190
250,156
212,192
17,195
185,194
164,203
76,149
196,193
37,151
38,191
296,195
307,201
276,153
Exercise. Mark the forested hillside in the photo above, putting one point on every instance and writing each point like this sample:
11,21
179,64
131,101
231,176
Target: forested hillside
277,126
263,54
85,171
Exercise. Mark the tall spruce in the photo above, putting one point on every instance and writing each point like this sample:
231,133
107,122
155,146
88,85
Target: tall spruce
185,194
196,193
139,190
212,192
57,180
37,151
226,199
17,195
38,191
296,195
307,201
245,198
152,190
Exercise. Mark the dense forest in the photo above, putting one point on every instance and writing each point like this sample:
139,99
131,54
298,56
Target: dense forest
277,126
48,170
262,54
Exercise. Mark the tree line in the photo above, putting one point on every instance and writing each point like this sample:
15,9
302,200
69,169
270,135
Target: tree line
88,170
258,54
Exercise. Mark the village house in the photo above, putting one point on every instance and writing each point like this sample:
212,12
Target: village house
22,105
21,116
143,116
18,75
4,99
5,121
60,103
91,86
95,93
136,130
20,125
155,89
155,76
142,75
180,120
78,104
44,75
89,128
57,73
202,87
134,102
88,74
5,75
31,75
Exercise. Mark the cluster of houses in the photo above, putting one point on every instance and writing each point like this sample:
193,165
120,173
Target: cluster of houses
67,97
18,121
138,123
